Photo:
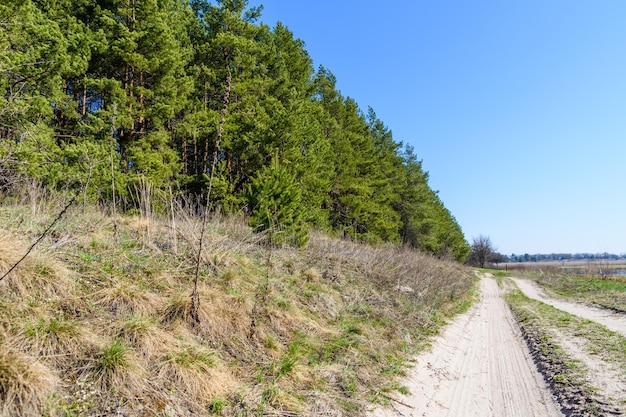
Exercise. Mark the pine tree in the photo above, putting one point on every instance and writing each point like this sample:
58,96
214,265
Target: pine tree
362,190
426,223
275,203
137,63
34,61
224,38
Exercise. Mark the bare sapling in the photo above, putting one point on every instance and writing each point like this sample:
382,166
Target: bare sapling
259,309
143,193
115,236
173,223
36,197
195,297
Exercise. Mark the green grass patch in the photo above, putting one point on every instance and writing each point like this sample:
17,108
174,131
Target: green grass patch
599,340
113,357
536,319
603,292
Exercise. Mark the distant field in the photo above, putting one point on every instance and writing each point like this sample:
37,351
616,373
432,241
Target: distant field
594,268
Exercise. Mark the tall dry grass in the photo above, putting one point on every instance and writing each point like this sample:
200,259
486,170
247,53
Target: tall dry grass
37,274
25,383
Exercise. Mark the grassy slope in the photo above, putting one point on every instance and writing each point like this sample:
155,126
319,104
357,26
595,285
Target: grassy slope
90,326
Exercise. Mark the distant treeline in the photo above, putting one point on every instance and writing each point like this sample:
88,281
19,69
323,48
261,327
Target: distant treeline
563,257
189,96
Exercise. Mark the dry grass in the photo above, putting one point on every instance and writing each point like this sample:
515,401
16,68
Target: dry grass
316,331
117,368
25,384
38,275
144,334
55,339
9,313
192,370
178,310
224,320
123,298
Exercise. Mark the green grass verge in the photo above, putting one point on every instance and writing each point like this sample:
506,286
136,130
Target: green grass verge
566,375
607,293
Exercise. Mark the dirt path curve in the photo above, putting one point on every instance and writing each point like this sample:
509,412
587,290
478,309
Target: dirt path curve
479,366
607,318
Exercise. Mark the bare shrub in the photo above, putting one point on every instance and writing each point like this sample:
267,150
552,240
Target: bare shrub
224,238
392,269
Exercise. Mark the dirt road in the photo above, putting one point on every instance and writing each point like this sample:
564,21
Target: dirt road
479,366
607,318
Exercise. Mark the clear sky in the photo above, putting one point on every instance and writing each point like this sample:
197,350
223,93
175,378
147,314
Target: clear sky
517,108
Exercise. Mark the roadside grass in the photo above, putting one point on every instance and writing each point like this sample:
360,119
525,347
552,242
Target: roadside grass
607,293
567,376
607,344
325,330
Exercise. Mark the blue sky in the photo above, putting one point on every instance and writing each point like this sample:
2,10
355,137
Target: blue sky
517,108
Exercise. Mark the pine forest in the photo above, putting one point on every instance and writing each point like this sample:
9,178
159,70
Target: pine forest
199,102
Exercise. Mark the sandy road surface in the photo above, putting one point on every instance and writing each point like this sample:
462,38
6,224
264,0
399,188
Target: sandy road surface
479,366
607,318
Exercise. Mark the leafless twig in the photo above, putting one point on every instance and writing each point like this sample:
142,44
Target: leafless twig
40,238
